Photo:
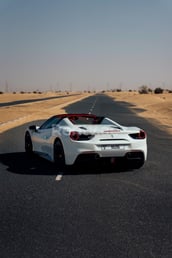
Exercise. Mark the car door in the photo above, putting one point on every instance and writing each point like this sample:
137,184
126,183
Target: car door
42,141
42,137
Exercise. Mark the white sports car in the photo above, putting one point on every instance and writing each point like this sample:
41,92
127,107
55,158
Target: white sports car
67,138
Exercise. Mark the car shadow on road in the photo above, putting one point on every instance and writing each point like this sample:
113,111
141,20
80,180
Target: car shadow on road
21,163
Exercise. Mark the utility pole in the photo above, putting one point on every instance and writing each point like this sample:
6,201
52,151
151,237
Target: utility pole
57,86
71,86
6,86
107,86
120,86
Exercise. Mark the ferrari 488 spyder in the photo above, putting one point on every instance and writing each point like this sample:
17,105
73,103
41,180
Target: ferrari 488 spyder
67,138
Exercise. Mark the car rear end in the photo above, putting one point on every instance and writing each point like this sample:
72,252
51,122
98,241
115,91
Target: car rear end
110,143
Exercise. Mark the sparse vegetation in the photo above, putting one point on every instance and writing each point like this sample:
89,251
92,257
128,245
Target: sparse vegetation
115,90
150,90
158,91
143,89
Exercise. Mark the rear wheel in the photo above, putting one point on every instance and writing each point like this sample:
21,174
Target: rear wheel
28,144
59,156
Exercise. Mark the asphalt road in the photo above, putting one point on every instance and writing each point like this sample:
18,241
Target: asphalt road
90,212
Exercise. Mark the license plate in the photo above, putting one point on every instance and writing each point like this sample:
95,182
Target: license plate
114,147
110,147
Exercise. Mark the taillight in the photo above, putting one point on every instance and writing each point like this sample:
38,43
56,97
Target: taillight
140,135
75,136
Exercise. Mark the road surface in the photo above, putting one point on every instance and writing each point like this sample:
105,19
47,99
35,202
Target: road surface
88,212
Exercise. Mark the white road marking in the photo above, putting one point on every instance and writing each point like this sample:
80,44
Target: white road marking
59,177
93,106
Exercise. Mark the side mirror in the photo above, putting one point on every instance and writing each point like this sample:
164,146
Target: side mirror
33,127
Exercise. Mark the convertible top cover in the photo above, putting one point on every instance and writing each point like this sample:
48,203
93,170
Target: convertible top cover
82,118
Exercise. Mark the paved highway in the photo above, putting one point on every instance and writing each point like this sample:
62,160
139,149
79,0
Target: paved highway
90,212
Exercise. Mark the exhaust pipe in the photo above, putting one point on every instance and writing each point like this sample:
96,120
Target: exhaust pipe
96,157
113,161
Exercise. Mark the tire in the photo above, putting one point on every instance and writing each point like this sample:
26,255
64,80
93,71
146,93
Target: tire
59,156
28,144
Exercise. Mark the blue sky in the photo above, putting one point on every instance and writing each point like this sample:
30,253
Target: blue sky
85,44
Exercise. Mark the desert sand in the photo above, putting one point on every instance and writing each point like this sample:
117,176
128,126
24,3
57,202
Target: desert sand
12,116
157,108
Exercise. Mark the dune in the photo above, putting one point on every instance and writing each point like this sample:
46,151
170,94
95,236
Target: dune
157,108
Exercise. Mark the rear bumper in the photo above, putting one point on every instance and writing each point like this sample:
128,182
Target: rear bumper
133,159
105,150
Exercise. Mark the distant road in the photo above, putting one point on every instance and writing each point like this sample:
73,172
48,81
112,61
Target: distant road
24,101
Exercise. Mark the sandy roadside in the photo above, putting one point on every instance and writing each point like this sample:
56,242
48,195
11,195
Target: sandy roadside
157,108
12,116
9,97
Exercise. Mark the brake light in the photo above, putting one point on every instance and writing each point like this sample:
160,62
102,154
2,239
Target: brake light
140,135
75,136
